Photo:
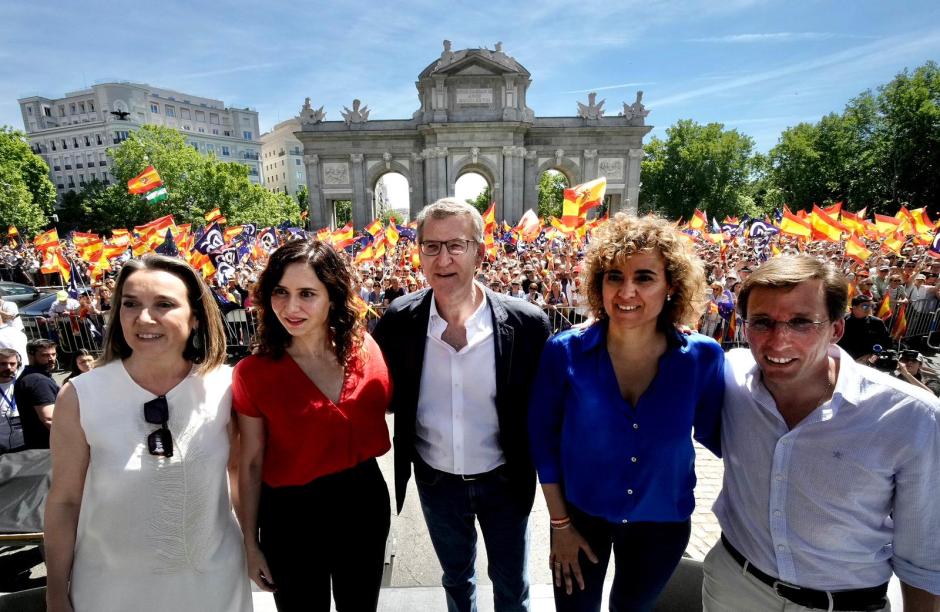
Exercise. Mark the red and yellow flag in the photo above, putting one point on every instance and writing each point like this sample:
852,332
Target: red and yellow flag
856,250
578,201
46,239
392,235
885,225
885,309
374,227
794,225
900,323
698,221
145,181
343,237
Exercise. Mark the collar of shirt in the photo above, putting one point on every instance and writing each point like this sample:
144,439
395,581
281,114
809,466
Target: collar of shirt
846,390
479,326
594,335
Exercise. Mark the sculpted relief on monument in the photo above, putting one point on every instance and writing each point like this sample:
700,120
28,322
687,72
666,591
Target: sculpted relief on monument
611,167
336,174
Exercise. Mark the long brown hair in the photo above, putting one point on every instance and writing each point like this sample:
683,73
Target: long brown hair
345,324
209,352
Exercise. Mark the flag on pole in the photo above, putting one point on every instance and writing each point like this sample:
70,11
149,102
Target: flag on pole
145,181
157,195
698,221
885,309
214,215
375,227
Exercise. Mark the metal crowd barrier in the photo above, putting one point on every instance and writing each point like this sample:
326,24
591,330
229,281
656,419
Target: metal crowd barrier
70,332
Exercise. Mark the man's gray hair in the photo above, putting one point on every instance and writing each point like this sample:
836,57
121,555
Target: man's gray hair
451,207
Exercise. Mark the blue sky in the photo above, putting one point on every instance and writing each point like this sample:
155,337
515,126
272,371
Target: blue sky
754,65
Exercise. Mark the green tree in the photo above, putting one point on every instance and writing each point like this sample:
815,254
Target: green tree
552,185
697,166
303,199
342,209
482,202
27,196
390,216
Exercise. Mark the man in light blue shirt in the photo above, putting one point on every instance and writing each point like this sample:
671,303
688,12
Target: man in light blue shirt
832,469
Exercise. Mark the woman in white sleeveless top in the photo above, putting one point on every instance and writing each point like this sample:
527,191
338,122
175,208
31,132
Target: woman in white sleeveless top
139,517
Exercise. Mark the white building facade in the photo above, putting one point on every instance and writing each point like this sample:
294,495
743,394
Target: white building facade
282,158
73,133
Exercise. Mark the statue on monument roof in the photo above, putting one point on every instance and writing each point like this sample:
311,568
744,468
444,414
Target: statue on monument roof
635,110
309,116
356,115
592,110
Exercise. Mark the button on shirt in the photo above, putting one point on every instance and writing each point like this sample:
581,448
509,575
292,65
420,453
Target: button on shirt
457,429
844,496
620,462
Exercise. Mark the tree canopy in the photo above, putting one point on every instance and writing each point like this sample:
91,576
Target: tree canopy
27,196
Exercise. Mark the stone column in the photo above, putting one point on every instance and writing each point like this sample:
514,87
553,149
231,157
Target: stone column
441,157
512,183
530,192
590,164
319,215
631,190
416,187
360,213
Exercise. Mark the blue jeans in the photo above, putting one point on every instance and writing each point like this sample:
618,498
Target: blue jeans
450,505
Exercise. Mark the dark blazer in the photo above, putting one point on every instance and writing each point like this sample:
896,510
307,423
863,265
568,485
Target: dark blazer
520,330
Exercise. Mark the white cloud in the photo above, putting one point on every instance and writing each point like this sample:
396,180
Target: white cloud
606,87
773,37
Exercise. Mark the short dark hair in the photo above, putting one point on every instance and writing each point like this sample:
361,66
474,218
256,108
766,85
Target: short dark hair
344,322
34,346
788,271
210,353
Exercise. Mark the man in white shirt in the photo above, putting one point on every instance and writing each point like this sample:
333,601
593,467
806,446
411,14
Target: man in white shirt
11,431
462,359
831,468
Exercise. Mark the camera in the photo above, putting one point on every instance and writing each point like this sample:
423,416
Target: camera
886,361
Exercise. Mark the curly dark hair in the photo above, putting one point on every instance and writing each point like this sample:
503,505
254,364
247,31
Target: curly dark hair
345,323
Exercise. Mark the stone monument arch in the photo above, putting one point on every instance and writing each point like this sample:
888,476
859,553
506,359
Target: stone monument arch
472,116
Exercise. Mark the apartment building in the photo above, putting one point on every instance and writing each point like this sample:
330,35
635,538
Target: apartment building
73,133
282,158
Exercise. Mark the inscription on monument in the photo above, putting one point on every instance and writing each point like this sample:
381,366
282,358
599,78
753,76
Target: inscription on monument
336,174
612,168
475,96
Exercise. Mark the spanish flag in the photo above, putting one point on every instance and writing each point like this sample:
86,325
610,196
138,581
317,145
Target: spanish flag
489,218
856,250
853,223
145,181
214,215
824,226
46,239
885,310
698,221
375,227
12,232
794,225
578,200
900,324
343,237
392,235
885,225
364,255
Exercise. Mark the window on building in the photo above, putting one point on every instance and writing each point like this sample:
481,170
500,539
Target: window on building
214,118
202,130
81,107
91,106
72,109
185,114
215,131
187,128
52,142
154,108
29,110
227,132
87,141
170,111
64,144
201,116
46,111
300,175
61,110
246,135
195,145
296,162
98,137
225,150
210,147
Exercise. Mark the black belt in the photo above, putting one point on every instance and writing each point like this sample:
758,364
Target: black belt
866,600
464,477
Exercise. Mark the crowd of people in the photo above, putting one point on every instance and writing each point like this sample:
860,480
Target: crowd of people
173,472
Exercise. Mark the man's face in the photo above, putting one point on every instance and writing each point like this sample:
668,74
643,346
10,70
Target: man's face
8,366
783,355
448,273
44,358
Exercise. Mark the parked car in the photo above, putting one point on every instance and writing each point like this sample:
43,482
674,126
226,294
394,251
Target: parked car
18,293
38,308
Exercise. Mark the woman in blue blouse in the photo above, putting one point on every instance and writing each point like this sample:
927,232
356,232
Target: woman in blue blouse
612,413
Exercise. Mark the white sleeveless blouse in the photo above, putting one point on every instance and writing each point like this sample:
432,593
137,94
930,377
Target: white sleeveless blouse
157,533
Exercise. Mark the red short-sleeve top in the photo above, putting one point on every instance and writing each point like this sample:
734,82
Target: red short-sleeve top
307,435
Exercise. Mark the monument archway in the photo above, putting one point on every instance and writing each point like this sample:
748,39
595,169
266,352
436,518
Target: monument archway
472,116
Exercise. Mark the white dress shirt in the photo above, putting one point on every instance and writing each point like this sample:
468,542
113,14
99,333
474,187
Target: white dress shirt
457,430
847,495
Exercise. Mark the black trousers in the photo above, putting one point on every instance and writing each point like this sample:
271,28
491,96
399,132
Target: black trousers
330,530
645,556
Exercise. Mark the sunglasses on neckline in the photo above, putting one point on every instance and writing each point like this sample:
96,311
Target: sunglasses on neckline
159,442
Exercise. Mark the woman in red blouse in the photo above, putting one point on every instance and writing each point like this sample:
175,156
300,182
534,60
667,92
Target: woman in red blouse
311,407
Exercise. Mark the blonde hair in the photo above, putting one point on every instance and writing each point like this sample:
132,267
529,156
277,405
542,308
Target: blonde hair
624,236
